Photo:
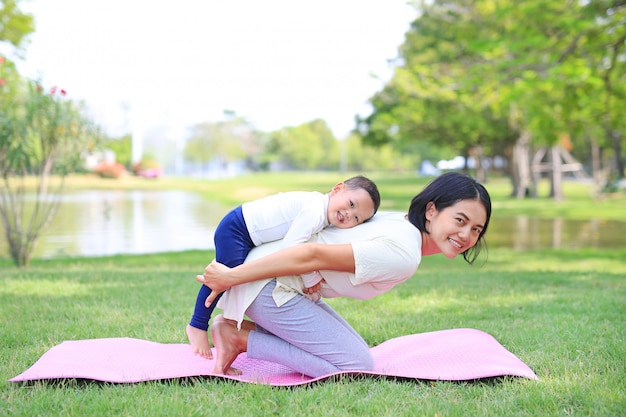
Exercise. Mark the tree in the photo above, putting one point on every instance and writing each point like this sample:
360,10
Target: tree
309,146
225,141
122,147
433,98
503,77
554,77
43,137
603,48
361,157
15,26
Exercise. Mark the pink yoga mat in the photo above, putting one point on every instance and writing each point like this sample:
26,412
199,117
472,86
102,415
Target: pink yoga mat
449,355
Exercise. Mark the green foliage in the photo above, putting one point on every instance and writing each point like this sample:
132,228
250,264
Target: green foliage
122,147
363,157
481,72
43,132
15,26
308,146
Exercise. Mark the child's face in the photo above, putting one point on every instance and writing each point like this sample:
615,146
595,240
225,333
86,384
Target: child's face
457,228
348,208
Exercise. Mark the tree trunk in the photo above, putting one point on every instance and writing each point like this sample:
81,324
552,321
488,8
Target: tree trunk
477,153
596,165
616,139
520,166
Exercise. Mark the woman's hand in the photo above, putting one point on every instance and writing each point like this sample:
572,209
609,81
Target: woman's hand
216,278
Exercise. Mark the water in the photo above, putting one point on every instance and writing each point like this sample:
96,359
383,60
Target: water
523,232
98,223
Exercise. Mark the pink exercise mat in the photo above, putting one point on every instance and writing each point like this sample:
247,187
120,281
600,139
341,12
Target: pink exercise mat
448,355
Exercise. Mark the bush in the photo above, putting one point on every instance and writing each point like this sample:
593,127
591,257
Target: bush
110,170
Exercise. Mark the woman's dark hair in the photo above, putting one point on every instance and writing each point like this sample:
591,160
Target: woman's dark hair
445,191
368,185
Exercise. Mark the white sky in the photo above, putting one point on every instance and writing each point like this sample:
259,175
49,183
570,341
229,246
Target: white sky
176,63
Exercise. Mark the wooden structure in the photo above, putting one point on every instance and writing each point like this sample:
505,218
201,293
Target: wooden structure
555,160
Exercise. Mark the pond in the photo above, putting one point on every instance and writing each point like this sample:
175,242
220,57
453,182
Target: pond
523,232
99,223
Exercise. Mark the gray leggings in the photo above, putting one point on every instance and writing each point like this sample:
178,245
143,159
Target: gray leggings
308,337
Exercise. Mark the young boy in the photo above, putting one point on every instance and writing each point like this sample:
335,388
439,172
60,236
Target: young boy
292,216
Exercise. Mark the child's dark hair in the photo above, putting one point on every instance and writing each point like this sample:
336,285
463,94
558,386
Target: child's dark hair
445,191
368,185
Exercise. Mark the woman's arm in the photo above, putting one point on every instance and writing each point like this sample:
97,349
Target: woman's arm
294,260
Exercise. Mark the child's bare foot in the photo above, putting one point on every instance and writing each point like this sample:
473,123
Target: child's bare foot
199,341
229,342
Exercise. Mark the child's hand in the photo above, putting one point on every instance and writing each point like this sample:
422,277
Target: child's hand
316,288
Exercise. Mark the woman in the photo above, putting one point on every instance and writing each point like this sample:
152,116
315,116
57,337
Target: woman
450,216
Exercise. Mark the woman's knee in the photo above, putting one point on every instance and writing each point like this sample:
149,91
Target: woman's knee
361,360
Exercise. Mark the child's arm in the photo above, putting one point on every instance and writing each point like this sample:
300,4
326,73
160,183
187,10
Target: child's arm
312,283
310,279
315,288
310,219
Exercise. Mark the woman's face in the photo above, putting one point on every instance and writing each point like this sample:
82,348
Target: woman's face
456,228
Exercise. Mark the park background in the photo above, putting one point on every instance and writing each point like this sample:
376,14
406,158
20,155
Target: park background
529,97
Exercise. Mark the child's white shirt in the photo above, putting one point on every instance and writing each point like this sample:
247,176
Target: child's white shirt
292,216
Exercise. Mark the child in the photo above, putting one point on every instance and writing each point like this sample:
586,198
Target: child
292,216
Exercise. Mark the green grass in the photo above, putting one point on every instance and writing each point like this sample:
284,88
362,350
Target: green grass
560,311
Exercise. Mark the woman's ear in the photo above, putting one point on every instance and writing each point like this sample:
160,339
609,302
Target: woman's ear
431,210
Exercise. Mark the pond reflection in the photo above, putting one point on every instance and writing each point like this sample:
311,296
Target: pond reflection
98,223
524,232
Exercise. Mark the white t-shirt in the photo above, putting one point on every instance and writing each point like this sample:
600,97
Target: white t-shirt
291,217
387,251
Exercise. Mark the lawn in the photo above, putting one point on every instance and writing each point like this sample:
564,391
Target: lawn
560,311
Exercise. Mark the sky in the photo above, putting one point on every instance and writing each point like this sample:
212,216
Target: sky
144,64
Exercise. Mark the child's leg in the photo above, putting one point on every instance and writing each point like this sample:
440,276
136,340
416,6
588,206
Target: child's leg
232,245
201,313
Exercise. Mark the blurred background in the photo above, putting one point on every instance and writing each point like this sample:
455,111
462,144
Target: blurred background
528,91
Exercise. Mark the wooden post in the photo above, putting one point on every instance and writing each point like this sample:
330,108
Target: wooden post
557,174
